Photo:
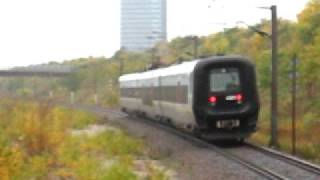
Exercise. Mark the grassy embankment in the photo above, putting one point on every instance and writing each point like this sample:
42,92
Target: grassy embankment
36,142
307,141
307,128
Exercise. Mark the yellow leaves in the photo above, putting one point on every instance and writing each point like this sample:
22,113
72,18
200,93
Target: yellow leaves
16,158
39,165
4,173
258,41
313,8
36,143
11,161
216,44
55,139
36,131
307,143
4,169
65,174
41,128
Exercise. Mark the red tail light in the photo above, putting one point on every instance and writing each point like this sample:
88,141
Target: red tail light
239,97
212,99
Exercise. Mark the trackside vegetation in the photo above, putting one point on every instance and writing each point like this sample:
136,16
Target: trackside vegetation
37,142
98,75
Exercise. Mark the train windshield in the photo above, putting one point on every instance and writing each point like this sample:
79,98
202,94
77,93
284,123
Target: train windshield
224,79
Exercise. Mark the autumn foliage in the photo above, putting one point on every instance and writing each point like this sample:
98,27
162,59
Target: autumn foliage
301,39
36,142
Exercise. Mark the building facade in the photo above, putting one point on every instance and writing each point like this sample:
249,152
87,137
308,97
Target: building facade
143,23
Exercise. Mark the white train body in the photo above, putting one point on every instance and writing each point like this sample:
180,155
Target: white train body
217,96
173,79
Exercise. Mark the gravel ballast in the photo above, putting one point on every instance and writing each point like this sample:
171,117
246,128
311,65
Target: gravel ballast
263,160
189,160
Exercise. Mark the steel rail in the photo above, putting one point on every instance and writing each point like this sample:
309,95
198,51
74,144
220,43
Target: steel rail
307,166
249,165
268,174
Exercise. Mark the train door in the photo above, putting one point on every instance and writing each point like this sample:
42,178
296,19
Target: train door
178,93
160,96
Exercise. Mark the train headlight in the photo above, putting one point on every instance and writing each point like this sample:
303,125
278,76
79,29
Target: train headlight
213,100
239,98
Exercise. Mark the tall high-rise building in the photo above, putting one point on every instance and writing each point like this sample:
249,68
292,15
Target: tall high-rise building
143,23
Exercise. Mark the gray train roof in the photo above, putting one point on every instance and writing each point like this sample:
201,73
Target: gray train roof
183,68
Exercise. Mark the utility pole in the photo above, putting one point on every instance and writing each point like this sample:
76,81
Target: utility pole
274,83
51,86
95,88
95,80
72,97
195,52
293,111
121,62
274,73
121,66
153,55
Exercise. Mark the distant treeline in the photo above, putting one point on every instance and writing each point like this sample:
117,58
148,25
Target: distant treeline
302,38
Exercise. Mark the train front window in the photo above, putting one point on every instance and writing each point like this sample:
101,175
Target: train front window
224,79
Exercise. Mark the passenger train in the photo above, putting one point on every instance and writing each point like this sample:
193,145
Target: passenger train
214,97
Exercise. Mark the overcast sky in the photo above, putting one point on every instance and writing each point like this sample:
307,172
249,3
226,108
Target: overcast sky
39,31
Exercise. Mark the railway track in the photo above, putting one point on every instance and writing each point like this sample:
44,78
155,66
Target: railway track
307,166
260,169
263,172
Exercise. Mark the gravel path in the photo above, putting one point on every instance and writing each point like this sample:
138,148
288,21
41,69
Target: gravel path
271,163
189,160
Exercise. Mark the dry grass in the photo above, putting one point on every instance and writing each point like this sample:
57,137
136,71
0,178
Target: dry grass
307,142
36,143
